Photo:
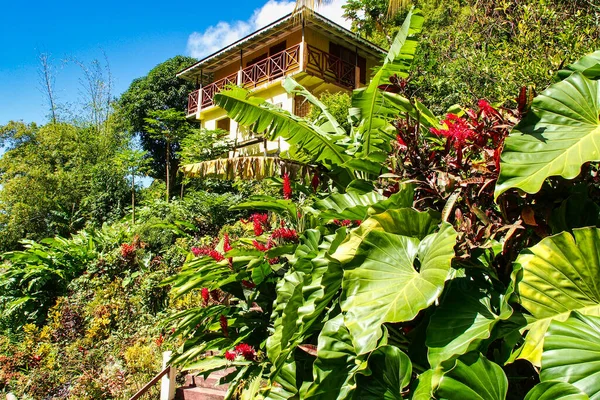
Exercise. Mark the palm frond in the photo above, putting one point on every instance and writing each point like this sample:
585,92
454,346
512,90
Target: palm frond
375,110
273,122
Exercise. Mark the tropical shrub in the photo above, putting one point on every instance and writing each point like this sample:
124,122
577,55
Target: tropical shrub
427,281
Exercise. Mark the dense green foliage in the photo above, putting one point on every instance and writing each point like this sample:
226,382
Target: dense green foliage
56,178
433,290
401,255
472,48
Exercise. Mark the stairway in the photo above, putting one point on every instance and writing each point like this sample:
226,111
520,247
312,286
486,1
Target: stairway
198,388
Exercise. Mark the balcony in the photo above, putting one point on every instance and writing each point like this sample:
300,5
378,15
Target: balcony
317,62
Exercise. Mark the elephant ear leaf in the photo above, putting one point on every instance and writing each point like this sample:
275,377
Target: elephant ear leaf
588,65
572,353
555,277
555,390
559,134
464,319
473,377
390,372
335,367
392,278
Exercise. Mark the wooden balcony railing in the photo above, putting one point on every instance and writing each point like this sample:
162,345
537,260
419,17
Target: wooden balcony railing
193,101
318,62
208,91
273,67
330,67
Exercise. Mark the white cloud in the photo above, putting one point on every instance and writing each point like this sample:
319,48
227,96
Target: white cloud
215,37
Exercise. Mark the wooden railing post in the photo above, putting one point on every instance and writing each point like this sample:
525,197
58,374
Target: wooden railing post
301,56
356,77
168,384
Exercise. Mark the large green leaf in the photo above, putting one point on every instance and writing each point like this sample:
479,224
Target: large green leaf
588,65
284,384
558,135
266,118
422,387
375,110
390,372
304,293
336,364
556,276
464,319
392,278
403,221
555,390
572,353
473,377
356,206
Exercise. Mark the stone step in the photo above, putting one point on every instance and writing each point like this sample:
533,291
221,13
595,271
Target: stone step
211,381
199,393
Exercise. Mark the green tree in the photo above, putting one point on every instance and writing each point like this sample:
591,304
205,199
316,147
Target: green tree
55,178
159,90
168,127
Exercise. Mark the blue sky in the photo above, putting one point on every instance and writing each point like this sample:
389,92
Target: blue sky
134,35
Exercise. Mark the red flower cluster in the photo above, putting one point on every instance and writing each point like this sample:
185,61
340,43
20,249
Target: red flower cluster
261,247
458,131
207,251
128,250
285,234
287,187
226,244
246,351
205,295
260,221
242,349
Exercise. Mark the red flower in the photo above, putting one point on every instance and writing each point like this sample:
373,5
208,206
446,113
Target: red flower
226,244
260,222
246,351
127,250
485,108
160,340
230,355
223,321
261,247
458,131
287,187
285,234
207,251
205,295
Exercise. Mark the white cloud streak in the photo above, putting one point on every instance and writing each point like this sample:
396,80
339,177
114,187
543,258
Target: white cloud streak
216,37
